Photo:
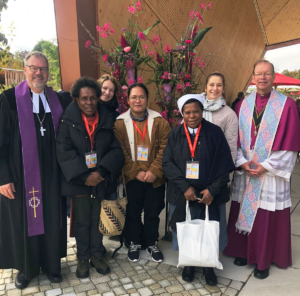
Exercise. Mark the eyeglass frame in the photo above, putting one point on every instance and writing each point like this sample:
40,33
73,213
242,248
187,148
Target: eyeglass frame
43,70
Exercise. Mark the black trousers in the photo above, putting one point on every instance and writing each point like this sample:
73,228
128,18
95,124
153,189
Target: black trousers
143,196
86,227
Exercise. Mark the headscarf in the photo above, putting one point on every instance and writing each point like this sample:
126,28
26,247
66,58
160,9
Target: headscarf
181,101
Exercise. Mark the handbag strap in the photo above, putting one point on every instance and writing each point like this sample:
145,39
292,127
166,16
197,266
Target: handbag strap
206,215
124,185
188,212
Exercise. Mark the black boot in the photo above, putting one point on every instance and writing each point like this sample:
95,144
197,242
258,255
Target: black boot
240,261
188,273
210,276
261,274
53,277
83,269
21,282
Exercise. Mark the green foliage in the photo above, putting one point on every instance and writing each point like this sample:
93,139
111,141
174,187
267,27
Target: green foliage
50,49
293,74
3,4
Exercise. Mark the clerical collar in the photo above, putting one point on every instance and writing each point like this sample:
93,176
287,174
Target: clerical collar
192,131
139,119
36,102
266,96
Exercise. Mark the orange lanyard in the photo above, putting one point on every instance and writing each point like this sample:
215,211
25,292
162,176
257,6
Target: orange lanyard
139,131
92,130
192,147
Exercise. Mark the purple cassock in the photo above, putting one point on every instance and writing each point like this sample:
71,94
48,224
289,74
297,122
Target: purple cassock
270,238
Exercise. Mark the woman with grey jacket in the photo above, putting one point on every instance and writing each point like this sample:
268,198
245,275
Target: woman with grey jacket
217,112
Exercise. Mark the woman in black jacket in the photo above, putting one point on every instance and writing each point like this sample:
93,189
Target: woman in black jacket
91,159
197,162
109,91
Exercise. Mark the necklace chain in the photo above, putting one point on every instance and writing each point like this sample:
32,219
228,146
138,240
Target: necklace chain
41,122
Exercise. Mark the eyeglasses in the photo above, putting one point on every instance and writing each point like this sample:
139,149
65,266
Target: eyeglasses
141,98
263,74
34,69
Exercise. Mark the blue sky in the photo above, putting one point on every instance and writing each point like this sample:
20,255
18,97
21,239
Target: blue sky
35,20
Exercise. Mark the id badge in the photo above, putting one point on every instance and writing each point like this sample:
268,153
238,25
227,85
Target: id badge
192,170
142,153
91,159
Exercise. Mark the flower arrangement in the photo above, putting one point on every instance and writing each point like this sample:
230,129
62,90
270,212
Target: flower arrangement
177,71
122,60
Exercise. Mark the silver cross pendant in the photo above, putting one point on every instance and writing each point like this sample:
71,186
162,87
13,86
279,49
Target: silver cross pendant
42,130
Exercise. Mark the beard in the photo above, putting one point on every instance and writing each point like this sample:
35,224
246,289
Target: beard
37,84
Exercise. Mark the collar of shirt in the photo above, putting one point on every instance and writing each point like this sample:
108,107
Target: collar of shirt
192,131
139,119
36,102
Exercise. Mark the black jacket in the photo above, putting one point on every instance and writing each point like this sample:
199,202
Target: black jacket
112,107
73,142
215,163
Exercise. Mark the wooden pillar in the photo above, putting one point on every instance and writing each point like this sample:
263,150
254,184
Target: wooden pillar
75,60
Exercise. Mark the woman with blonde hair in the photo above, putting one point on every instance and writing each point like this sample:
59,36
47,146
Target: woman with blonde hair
109,92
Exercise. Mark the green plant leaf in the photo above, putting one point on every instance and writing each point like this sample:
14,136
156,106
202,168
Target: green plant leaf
200,36
148,30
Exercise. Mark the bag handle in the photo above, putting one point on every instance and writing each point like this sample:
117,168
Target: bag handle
206,215
188,213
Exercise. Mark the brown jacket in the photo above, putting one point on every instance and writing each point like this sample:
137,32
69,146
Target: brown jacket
159,130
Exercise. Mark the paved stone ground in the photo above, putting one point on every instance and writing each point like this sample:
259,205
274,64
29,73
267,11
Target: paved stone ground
146,278
142,278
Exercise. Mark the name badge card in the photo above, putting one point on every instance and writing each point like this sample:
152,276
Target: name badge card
91,159
192,170
142,153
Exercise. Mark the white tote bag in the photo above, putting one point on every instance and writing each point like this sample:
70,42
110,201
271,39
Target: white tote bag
198,241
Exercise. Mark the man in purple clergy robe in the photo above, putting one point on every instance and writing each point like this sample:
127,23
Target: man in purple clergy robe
269,240
32,211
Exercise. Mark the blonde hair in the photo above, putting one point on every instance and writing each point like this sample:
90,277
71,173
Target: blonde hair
114,81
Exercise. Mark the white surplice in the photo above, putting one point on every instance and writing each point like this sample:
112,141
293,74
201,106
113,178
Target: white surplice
275,193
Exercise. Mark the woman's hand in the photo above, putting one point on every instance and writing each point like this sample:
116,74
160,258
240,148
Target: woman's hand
190,194
149,177
94,179
207,198
140,176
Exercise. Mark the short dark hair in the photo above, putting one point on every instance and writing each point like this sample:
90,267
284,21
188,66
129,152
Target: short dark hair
192,101
85,82
141,85
260,61
240,95
218,74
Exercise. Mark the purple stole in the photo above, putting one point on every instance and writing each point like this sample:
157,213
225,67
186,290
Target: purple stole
32,175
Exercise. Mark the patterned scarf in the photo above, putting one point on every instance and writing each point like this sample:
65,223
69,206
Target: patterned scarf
212,106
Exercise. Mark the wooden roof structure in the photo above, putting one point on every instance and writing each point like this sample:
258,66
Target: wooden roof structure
242,32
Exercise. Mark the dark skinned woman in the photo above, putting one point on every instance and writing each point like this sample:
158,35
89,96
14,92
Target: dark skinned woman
200,145
91,160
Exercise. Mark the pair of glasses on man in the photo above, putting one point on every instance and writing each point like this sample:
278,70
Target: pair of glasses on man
34,69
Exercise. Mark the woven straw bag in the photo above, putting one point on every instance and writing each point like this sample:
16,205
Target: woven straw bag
113,213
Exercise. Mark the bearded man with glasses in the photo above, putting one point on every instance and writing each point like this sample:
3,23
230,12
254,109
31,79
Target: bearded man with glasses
32,212
259,226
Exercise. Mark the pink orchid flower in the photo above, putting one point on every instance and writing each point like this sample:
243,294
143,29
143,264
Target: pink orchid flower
192,15
188,41
131,9
187,84
127,49
199,17
88,43
151,53
140,79
142,36
167,49
105,58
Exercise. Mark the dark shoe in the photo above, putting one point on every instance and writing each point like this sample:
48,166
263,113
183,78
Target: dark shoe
156,254
134,252
83,269
210,276
21,282
53,277
188,273
100,265
261,274
240,261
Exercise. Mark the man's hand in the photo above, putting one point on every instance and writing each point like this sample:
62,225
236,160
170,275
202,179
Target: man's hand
140,176
149,177
7,190
246,166
207,198
94,179
190,194
258,171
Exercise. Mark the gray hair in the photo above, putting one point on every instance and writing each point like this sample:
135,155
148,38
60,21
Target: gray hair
37,54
